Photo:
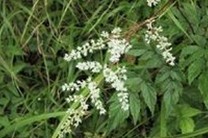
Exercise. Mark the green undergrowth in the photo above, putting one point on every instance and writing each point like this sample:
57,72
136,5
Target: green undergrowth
165,101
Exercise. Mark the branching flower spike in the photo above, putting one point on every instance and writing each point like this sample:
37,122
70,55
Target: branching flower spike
115,76
153,34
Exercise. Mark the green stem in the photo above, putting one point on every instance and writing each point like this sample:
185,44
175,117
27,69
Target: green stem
163,122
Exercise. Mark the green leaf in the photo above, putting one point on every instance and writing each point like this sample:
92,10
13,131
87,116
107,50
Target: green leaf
162,76
136,52
177,75
203,87
149,95
200,40
147,55
116,115
188,50
28,120
18,67
168,100
133,83
134,106
4,121
154,62
178,23
14,50
194,70
191,12
189,54
172,91
186,125
187,111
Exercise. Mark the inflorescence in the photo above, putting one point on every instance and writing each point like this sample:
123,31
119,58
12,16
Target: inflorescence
115,76
153,34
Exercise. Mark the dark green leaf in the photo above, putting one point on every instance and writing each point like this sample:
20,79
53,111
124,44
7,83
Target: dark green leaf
134,106
194,70
171,96
149,95
187,111
133,83
116,115
200,40
188,50
203,87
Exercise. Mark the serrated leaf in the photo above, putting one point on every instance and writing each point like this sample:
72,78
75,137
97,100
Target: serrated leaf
162,77
154,62
194,70
187,111
194,56
134,107
133,83
149,95
177,22
177,75
116,115
147,55
188,50
186,125
168,100
171,96
203,87
190,11
200,40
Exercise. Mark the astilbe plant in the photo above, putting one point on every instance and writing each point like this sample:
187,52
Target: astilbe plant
114,75
88,92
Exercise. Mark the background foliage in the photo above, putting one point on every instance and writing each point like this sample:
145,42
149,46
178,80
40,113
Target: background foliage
164,101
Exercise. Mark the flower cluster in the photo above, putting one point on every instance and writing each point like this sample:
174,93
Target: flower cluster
93,66
94,92
152,2
74,115
113,42
82,51
115,46
153,34
117,78
74,86
95,95
123,99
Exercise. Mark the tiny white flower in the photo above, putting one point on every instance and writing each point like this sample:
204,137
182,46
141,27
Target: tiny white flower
116,30
117,48
123,99
95,95
93,66
152,34
151,3
105,34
